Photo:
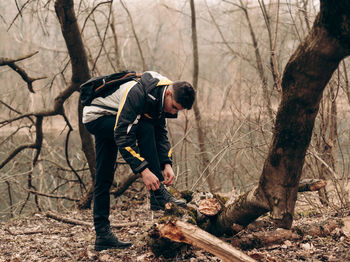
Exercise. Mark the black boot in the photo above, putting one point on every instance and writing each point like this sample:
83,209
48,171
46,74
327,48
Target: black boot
162,196
107,240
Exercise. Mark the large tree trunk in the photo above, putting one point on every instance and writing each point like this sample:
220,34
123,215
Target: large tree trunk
305,77
80,73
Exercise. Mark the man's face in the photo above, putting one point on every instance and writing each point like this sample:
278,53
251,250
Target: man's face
170,105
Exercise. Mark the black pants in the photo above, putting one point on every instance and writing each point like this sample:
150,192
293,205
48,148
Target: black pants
106,155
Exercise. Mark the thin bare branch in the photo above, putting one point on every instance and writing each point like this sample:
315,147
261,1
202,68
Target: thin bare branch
11,63
135,35
67,155
19,13
103,39
92,11
52,196
6,61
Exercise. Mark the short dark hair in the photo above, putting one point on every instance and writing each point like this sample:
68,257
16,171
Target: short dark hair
184,94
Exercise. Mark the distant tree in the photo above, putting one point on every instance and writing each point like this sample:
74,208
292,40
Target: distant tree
199,123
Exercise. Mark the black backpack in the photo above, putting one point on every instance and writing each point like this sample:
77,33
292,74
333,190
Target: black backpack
104,86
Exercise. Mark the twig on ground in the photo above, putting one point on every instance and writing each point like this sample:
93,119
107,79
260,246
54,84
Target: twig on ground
83,223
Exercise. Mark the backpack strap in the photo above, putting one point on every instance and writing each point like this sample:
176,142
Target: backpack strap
106,107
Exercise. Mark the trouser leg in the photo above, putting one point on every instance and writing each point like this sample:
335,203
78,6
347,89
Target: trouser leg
106,154
148,149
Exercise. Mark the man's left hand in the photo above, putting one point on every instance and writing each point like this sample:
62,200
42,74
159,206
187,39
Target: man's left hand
168,174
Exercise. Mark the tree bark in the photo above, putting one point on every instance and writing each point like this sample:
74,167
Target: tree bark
305,77
80,73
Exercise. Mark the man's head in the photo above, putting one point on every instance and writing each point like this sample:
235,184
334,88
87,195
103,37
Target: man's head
178,96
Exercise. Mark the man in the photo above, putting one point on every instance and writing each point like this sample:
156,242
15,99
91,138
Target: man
138,129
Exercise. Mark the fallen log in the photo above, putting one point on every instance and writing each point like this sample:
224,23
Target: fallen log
263,239
180,231
204,214
247,207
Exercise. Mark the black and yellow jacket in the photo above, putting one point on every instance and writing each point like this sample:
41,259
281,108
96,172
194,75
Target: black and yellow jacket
142,101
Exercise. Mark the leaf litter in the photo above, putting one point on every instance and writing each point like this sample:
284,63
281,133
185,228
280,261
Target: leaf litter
40,238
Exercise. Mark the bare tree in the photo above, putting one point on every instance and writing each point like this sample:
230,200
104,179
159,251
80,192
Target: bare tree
200,129
80,73
71,32
305,77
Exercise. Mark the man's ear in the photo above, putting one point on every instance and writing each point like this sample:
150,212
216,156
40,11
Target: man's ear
168,92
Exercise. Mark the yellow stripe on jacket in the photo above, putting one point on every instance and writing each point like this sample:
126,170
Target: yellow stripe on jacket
133,153
123,102
170,152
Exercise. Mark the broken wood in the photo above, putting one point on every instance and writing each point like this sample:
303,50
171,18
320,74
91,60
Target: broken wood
180,231
84,223
247,207
210,207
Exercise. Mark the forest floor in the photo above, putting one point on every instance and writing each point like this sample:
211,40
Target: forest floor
41,238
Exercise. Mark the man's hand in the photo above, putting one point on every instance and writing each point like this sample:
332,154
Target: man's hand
150,179
168,174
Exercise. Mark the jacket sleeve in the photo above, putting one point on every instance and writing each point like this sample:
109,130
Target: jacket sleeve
163,144
129,113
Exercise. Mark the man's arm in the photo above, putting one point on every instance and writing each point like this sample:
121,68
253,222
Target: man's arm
128,116
129,113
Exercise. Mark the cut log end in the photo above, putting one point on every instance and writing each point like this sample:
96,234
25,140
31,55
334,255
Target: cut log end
210,207
172,232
